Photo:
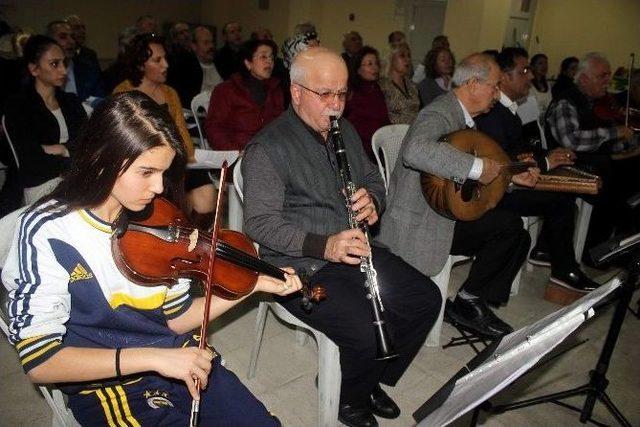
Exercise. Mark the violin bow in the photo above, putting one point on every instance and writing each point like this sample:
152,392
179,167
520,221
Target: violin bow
626,113
195,404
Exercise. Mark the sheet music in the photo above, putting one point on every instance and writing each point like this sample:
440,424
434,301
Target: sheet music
515,354
213,159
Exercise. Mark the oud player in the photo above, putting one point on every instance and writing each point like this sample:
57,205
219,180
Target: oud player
424,238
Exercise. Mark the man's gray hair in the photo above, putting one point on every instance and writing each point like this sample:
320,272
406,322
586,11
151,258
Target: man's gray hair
297,73
587,62
474,67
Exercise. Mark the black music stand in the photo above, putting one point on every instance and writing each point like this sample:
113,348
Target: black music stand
505,360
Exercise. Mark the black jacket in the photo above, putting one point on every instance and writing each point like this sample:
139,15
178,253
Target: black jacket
506,129
30,124
185,75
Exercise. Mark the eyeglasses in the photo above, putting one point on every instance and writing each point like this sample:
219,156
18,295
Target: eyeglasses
327,96
525,71
264,57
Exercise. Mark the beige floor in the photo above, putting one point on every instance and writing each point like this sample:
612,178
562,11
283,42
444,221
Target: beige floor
286,370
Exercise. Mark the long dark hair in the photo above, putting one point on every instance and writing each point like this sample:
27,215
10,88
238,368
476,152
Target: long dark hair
136,53
118,132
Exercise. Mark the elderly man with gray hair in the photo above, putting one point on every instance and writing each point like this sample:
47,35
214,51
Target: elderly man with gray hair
572,123
295,209
423,237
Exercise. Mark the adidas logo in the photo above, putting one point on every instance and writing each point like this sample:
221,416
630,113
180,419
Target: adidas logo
79,273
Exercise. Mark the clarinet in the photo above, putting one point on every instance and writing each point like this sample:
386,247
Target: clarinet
385,348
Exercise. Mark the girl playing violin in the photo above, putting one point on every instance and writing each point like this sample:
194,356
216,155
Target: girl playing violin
122,352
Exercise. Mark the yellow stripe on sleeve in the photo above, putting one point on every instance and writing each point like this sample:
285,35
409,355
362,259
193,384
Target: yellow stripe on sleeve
40,352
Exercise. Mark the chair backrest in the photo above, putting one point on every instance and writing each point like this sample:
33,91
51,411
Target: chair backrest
237,178
388,139
13,150
200,102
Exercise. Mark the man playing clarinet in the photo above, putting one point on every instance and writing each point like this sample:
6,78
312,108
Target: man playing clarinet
295,209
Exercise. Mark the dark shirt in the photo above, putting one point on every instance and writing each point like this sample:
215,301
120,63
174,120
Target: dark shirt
563,83
184,75
30,125
86,70
506,129
227,61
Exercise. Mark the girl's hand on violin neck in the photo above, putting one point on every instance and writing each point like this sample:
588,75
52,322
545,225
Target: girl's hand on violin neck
185,364
278,287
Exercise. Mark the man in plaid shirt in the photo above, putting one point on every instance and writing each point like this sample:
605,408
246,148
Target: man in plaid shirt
572,123
570,119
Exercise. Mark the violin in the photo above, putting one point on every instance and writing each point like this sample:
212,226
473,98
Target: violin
164,247
609,112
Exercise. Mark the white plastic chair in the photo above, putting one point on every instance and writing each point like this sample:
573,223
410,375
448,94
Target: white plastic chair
201,102
388,140
13,150
329,374
61,416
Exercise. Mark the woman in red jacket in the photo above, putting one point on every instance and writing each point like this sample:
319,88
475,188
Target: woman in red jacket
251,98
366,108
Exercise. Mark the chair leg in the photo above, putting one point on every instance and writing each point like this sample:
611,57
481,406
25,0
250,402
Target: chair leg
261,319
235,209
329,379
442,281
534,231
580,236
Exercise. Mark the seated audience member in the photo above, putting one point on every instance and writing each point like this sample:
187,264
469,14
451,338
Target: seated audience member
80,323
146,24
147,72
79,34
395,38
568,69
439,71
400,93
366,108
116,73
227,58
279,70
250,99
191,69
556,209
412,229
351,43
83,72
42,120
438,42
290,48
307,29
14,74
540,86
295,211
571,123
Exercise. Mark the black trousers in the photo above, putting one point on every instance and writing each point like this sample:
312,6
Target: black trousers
411,303
500,245
558,213
620,180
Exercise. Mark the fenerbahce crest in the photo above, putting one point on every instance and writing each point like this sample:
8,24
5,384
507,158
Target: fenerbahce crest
157,399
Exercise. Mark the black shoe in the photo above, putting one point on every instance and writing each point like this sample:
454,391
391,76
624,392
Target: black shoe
539,258
356,417
382,405
476,316
575,280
